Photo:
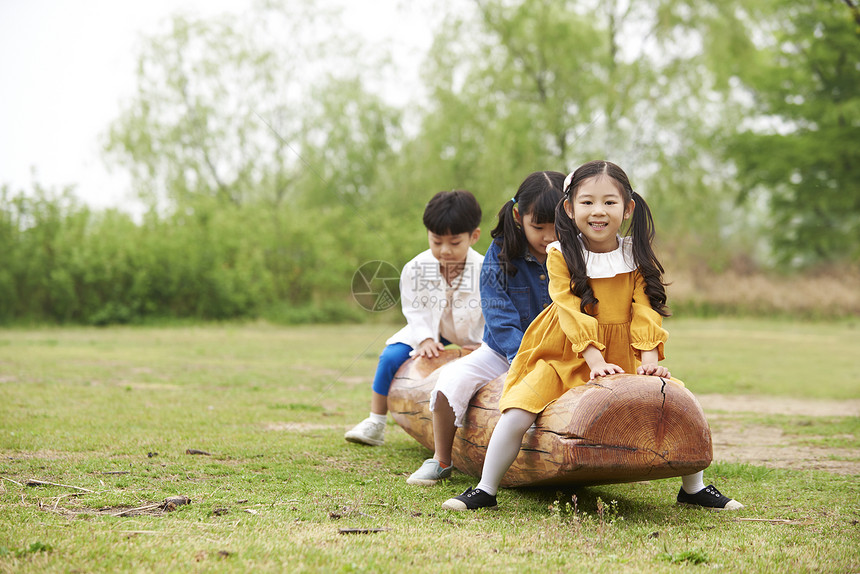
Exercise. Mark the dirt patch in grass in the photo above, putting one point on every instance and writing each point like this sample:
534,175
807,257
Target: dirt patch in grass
738,440
779,405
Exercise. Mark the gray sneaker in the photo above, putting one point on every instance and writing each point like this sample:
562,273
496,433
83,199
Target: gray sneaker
367,432
430,473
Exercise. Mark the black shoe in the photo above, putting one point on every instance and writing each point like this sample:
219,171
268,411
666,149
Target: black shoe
472,499
709,497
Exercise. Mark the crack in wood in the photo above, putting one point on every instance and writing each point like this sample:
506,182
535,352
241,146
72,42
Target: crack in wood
537,450
662,392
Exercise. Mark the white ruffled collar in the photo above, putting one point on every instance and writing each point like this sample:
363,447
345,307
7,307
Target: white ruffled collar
605,265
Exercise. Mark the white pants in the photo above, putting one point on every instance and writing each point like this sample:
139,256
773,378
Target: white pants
461,379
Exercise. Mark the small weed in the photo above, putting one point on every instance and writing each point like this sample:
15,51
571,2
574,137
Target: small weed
692,556
569,511
607,514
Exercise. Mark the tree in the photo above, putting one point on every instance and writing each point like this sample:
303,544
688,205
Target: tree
219,105
256,118
549,84
799,152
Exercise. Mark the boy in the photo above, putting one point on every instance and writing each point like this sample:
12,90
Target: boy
440,298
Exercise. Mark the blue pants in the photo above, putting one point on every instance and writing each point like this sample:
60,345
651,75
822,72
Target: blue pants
392,358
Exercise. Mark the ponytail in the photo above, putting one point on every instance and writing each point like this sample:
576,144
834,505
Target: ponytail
642,232
508,233
571,249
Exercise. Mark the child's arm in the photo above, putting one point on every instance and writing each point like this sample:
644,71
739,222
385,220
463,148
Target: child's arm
646,326
579,328
598,365
649,365
501,315
647,332
418,296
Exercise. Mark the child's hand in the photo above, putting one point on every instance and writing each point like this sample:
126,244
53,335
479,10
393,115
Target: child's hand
428,348
653,369
604,370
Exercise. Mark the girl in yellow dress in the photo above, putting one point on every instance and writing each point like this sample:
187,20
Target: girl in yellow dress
608,303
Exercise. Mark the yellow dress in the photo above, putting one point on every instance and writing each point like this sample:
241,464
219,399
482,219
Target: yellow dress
549,361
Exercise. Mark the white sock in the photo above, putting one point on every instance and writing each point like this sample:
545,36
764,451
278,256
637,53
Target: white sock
379,418
693,483
504,447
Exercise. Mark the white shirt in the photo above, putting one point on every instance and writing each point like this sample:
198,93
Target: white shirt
425,297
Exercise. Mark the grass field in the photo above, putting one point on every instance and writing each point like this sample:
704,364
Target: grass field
106,417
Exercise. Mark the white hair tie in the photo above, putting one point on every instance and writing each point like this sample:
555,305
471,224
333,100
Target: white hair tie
567,181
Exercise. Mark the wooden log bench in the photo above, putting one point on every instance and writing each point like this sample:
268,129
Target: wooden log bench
621,428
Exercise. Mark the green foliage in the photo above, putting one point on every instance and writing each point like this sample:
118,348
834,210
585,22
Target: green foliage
67,264
62,262
547,84
272,168
801,152
218,104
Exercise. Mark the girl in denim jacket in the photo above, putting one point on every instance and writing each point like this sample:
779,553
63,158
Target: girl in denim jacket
514,290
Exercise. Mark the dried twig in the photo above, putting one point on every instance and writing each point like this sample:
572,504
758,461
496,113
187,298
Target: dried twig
34,482
10,480
139,508
775,520
168,504
67,495
362,530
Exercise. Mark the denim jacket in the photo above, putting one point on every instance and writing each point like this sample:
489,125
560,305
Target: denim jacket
510,304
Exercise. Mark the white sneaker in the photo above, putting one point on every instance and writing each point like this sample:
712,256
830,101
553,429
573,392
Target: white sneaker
367,432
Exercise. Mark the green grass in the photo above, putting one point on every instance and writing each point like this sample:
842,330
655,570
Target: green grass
114,410
766,357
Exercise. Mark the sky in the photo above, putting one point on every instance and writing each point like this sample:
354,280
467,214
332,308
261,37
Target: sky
66,67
